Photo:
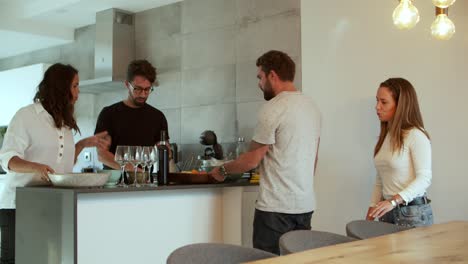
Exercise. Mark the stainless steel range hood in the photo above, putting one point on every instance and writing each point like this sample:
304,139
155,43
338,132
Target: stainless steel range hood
114,48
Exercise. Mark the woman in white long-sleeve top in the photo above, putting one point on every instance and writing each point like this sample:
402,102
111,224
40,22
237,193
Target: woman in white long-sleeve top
39,141
402,158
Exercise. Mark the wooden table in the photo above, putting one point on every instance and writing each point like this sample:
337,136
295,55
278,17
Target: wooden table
440,243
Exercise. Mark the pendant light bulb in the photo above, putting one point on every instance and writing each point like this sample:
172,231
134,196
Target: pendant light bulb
442,28
443,3
405,15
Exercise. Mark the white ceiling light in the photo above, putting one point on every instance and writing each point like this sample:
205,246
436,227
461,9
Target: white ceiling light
406,16
443,3
442,28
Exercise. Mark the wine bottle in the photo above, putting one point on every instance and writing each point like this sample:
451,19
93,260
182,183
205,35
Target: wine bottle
163,164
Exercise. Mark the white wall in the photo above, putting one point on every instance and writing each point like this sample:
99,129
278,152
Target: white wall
19,86
348,48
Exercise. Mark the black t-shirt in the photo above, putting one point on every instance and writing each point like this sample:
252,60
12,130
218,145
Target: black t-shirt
132,126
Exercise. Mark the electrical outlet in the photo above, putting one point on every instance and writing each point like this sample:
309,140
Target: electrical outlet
87,156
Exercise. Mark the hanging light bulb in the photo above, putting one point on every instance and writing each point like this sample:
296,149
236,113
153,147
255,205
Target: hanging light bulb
443,3
405,15
442,28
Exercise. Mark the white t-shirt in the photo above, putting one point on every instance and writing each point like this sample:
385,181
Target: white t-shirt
32,136
408,172
290,124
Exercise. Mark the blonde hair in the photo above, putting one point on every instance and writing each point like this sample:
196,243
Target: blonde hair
407,114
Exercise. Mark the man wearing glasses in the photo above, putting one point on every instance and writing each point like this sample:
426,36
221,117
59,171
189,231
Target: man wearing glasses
132,122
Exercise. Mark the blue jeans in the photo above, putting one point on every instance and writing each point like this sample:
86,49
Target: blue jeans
410,216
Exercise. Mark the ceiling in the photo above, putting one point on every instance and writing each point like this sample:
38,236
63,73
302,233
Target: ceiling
28,25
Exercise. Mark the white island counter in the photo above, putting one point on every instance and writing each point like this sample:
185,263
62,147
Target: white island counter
131,225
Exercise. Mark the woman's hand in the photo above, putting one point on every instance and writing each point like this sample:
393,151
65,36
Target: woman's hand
20,165
380,209
368,215
104,140
43,171
101,140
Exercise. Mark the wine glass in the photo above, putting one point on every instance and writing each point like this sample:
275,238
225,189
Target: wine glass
122,158
145,156
135,160
150,156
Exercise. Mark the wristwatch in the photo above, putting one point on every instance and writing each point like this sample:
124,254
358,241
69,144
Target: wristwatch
222,171
394,203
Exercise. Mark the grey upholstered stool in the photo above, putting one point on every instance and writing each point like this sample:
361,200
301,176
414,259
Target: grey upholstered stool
300,240
209,253
362,229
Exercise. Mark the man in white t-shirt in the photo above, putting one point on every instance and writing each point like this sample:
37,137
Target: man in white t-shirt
285,146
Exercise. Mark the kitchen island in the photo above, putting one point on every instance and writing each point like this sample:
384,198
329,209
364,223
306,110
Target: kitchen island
129,225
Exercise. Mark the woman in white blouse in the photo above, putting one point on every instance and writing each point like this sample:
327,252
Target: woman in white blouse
402,158
39,141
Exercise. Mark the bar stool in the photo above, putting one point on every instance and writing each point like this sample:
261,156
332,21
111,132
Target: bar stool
211,253
362,229
300,240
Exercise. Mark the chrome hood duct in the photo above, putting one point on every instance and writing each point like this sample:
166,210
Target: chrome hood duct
114,48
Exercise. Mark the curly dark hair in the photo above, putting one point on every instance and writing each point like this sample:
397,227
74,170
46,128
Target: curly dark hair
141,68
279,62
54,93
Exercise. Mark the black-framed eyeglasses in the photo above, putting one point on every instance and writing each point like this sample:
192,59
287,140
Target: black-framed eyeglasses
140,90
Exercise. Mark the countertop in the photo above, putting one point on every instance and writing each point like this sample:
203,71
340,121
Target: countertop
240,183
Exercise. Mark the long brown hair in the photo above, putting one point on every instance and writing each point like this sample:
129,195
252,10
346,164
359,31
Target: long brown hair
407,114
54,93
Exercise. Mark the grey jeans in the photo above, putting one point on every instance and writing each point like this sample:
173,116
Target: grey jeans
268,227
410,216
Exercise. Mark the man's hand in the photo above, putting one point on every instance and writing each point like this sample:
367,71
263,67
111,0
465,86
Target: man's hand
215,173
130,167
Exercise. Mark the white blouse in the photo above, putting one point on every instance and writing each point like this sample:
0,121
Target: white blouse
407,173
32,136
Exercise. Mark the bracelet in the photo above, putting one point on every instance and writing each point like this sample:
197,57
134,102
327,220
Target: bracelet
394,203
223,172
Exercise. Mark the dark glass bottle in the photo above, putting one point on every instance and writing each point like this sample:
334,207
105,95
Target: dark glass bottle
163,164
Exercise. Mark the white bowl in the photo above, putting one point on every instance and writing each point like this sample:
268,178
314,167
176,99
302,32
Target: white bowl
114,177
79,179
